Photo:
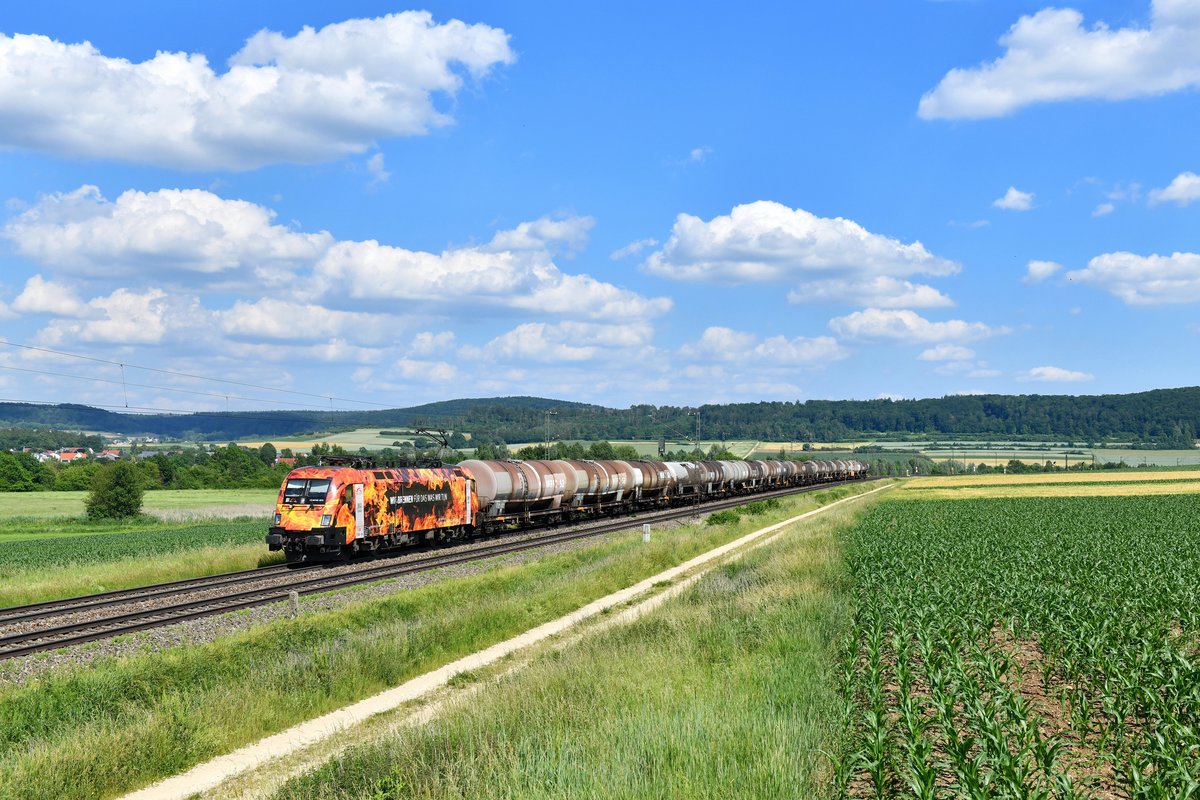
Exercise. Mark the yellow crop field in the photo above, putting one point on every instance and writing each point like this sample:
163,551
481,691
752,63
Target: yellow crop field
1132,489
1041,478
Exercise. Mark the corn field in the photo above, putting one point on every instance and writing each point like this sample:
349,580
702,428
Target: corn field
1023,648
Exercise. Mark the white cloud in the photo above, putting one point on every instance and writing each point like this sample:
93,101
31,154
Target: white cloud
271,318
1014,200
767,241
378,170
41,296
525,278
194,236
698,154
874,324
633,248
312,97
545,233
427,343
1054,375
947,352
1144,280
156,233
725,344
1050,56
1103,210
881,292
123,317
1038,271
431,371
1184,189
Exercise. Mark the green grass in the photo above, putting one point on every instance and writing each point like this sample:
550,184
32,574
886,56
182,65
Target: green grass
729,691
117,724
70,504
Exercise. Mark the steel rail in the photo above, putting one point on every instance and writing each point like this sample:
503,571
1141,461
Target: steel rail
144,619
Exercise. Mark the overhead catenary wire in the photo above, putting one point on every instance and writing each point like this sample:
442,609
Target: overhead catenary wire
124,384
192,376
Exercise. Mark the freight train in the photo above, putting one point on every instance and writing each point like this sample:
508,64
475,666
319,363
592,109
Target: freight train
348,506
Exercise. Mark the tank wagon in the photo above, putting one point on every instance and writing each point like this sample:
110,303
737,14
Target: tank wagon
340,509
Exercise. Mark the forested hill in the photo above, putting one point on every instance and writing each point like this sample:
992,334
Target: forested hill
1169,417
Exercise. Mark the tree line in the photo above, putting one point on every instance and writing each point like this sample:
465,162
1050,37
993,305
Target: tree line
1167,418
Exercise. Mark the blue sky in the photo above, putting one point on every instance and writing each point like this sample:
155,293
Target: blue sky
614,203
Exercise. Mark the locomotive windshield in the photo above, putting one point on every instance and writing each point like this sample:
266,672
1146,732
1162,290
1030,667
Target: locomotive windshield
306,491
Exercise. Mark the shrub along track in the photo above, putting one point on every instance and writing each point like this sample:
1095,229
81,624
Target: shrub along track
25,630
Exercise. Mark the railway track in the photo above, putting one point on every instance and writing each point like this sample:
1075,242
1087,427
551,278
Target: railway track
24,640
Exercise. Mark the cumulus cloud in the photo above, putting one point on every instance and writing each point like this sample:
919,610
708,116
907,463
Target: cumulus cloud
1184,189
767,241
874,324
271,318
193,236
1014,200
725,344
168,231
545,233
428,343
568,341
425,371
1144,280
881,292
1038,271
1103,210
312,97
123,317
526,278
41,296
1051,56
1054,375
947,352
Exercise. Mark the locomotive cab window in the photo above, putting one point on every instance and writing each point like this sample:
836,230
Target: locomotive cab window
306,491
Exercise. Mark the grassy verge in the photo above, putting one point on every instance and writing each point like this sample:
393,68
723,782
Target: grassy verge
121,723
727,691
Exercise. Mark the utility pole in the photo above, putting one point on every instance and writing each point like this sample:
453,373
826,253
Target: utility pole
696,414
549,414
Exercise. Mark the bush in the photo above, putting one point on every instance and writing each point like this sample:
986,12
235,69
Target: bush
116,492
730,516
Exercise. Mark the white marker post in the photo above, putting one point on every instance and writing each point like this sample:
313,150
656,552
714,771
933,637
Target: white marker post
645,531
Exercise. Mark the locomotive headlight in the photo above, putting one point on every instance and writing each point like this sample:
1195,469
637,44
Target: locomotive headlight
278,518
326,520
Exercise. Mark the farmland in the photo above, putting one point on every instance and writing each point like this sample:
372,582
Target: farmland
168,503
1023,647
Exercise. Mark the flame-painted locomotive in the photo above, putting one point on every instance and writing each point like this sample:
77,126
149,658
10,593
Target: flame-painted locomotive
339,509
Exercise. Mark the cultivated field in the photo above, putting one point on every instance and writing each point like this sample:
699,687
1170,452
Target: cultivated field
1034,647
370,438
49,550
166,503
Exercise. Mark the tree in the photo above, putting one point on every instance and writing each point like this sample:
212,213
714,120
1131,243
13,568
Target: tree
267,454
116,492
